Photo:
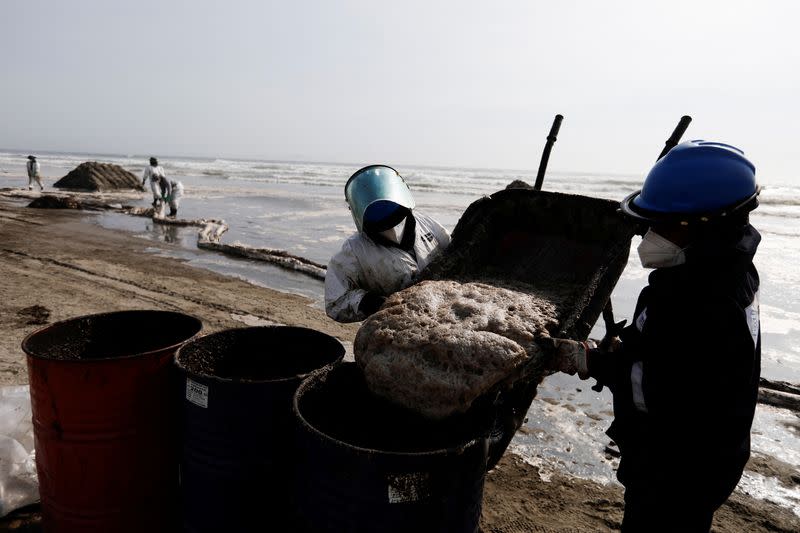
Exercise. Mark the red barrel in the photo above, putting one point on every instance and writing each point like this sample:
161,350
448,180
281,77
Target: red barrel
104,420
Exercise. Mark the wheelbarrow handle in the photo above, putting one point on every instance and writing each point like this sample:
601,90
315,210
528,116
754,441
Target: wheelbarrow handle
551,139
680,129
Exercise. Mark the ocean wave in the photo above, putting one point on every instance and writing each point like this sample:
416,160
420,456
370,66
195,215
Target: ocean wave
784,201
445,180
777,232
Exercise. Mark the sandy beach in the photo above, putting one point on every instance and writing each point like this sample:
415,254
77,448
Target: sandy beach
55,265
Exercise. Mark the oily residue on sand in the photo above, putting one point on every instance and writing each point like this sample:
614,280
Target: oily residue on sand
437,346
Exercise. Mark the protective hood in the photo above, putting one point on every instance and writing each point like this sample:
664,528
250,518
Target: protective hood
376,184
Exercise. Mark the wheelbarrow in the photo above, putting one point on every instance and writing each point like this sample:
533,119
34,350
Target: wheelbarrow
564,248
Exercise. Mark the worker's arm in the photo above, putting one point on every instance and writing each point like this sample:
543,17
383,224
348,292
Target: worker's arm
343,292
145,175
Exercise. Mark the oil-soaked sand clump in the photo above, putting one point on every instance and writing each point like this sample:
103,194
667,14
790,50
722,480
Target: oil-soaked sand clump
437,346
55,202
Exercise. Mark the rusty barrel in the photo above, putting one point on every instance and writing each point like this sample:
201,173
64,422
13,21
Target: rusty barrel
365,466
237,438
103,424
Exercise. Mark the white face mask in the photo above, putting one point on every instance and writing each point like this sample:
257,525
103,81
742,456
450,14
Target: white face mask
657,252
396,233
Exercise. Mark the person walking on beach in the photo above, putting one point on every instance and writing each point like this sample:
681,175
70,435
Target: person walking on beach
175,195
684,375
154,173
33,173
392,245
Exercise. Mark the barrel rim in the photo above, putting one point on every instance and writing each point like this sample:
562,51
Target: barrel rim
307,426
169,348
180,366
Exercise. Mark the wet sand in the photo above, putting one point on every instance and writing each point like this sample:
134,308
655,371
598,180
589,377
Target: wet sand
55,265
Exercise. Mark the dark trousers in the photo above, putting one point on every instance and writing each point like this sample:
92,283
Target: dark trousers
675,496
659,513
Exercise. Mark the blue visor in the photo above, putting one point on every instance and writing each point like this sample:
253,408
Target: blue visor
373,184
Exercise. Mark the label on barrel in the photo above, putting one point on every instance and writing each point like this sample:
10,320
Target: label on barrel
197,393
409,487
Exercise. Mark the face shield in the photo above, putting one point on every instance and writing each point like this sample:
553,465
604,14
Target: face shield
379,185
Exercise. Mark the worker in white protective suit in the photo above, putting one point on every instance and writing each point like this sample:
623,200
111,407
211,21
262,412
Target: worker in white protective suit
155,173
392,246
175,195
33,173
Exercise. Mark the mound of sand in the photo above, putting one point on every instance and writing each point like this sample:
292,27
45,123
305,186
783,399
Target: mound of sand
93,176
437,346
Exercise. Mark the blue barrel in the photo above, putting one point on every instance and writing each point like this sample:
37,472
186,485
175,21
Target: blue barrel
236,389
365,466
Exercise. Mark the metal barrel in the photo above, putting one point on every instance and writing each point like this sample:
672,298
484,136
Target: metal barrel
236,390
102,419
366,466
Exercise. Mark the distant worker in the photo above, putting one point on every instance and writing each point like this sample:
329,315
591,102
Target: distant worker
392,245
33,173
154,172
165,188
175,195
684,375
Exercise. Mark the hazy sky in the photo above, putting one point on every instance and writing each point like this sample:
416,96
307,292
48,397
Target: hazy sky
413,82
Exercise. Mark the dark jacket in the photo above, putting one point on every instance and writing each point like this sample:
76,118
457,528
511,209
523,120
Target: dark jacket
695,349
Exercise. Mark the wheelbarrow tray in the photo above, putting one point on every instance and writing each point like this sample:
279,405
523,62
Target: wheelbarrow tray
565,248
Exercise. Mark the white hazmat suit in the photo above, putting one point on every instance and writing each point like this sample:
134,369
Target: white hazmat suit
33,174
363,266
153,173
175,197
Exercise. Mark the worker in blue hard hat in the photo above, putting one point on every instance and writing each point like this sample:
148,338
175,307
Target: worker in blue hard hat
392,245
684,375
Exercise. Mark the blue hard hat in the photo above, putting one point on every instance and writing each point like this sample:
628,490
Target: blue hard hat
696,180
376,192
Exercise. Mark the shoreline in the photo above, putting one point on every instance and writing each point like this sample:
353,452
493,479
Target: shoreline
59,260
70,266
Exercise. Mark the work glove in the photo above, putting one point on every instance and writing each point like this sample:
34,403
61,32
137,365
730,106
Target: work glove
572,357
370,303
